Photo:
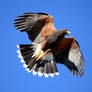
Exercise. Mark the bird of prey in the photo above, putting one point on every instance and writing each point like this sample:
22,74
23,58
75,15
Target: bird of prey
49,46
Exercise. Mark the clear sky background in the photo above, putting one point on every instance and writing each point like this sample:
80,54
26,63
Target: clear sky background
75,15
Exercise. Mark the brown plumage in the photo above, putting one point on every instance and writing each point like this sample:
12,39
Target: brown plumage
67,52
35,24
49,46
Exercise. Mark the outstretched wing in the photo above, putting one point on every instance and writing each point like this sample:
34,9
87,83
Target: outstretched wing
35,24
68,53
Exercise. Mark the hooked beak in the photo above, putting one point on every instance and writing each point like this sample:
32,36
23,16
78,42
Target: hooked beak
68,32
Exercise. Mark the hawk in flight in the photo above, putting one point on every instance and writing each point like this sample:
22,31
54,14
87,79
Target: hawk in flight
49,46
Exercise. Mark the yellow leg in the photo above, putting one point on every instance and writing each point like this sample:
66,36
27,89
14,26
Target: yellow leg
42,54
37,55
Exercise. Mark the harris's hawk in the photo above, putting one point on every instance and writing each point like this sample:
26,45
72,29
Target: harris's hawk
49,46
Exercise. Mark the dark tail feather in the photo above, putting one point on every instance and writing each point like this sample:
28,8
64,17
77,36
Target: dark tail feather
46,68
25,53
41,67
54,67
50,68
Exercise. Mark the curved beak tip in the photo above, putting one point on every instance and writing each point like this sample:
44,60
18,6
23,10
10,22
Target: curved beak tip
68,32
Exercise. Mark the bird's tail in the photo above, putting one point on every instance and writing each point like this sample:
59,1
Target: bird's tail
27,54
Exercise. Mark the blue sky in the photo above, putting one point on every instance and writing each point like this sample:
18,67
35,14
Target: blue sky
75,15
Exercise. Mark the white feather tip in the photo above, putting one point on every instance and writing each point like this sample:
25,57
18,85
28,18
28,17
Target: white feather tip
46,75
34,72
18,46
20,56
24,65
51,75
22,61
57,73
40,74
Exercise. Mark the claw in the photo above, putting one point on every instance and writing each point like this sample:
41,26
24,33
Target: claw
38,54
41,54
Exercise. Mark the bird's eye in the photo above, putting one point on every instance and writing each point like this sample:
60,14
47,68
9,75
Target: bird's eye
47,20
59,37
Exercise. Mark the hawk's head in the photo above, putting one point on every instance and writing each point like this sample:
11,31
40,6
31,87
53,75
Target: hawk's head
62,32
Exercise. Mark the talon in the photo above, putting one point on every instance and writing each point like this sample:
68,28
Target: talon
41,54
38,54
38,57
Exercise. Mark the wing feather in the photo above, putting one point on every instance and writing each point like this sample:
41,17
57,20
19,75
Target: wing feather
68,53
35,24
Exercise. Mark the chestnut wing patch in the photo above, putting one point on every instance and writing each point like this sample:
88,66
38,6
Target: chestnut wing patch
34,23
68,53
